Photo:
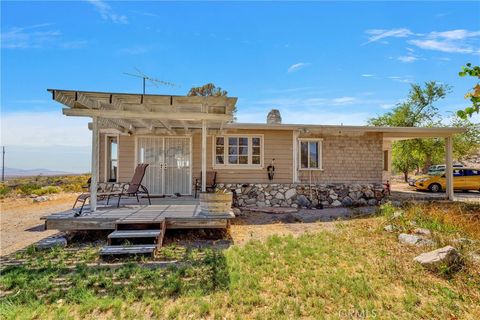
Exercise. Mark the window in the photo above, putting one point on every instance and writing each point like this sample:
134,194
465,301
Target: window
457,173
472,172
238,151
310,154
112,159
385,160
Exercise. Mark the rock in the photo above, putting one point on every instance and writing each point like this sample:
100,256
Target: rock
251,201
362,202
475,257
274,201
237,212
369,194
444,257
422,231
347,201
336,203
261,197
279,196
290,193
372,202
41,199
302,201
389,228
261,204
294,205
414,240
397,214
49,243
333,196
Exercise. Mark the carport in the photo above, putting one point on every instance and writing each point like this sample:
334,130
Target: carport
395,134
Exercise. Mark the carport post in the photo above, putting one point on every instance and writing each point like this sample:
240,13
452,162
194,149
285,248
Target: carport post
449,167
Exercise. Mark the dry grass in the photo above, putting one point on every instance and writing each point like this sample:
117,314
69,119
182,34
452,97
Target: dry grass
355,270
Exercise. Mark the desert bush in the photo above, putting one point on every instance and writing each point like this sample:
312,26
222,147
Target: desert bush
28,188
4,190
47,190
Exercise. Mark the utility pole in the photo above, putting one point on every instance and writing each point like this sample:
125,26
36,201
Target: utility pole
3,163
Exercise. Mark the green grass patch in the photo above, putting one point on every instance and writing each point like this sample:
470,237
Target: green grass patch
355,271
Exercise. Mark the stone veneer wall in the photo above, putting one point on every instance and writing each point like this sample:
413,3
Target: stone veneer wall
305,195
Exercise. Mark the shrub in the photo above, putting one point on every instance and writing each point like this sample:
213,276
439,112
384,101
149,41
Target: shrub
4,190
28,188
47,190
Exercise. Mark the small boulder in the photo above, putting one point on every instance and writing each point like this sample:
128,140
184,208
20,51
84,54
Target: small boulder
372,202
49,243
279,196
389,228
422,231
237,212
336,203
302,201
290,193
414,240
347,201
444,257
397,214
41,199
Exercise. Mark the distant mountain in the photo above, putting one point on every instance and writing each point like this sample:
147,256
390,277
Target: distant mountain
15,172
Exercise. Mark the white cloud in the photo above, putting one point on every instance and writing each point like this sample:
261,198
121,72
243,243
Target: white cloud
44,129
29,37
386,105
402,79
297,66
443,46
407,58
107,12
458,34
378,34
343,101
367,75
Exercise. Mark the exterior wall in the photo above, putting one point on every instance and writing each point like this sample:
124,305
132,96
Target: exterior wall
387,146
126,158
277,144
347,159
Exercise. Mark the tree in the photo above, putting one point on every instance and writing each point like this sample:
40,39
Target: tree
418,110
473,95
210,90
207,90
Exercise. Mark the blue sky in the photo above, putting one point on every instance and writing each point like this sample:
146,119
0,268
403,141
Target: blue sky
327,63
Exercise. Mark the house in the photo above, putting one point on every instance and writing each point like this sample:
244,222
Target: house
181,137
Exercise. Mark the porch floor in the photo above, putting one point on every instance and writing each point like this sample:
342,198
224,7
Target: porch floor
178,213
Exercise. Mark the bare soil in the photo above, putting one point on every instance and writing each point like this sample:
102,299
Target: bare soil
20,224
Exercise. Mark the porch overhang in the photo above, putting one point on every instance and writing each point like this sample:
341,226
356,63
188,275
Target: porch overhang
128,113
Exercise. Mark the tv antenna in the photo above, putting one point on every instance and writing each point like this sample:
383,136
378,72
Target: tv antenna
153,81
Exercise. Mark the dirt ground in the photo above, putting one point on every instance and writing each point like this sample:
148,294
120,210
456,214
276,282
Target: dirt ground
20,223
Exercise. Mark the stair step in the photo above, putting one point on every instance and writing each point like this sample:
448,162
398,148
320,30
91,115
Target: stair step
129,234
133,249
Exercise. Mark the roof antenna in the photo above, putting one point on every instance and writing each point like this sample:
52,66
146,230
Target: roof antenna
153,81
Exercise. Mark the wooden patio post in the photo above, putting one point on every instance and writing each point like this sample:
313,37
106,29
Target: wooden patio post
449,167
204,155
95,154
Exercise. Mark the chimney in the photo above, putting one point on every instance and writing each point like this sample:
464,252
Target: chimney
274,117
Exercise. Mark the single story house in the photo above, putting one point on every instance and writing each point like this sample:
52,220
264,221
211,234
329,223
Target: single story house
183,137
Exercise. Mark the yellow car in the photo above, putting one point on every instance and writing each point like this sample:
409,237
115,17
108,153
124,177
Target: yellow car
463,179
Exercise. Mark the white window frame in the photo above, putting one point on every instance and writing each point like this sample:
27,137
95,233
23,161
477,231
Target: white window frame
227,165
320,154
106,152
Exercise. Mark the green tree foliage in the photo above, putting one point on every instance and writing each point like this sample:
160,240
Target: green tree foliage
210,90
418,110
474,95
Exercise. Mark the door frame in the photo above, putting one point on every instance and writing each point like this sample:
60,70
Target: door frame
163,137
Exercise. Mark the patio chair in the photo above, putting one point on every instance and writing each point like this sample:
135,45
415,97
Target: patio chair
134,188
211,182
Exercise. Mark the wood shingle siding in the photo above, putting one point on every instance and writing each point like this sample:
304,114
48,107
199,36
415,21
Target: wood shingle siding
348,159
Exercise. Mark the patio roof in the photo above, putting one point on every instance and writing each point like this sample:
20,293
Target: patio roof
126,112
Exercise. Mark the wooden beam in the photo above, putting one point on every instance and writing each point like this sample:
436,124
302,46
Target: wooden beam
114,114
95,160
204,155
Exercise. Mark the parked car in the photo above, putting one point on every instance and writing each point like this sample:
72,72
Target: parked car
463,179
437,169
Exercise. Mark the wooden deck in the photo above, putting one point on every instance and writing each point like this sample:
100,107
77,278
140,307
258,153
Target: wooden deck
176,216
